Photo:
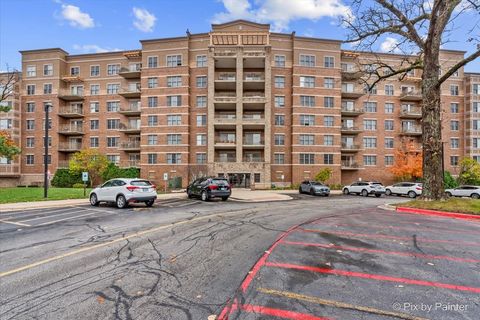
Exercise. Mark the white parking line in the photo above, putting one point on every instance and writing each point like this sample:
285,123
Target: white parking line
35,211
50,222
16,223
50,216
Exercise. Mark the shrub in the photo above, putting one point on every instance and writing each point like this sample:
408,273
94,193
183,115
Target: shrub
449,181
323,175
78,185
113,171
64,178
336,186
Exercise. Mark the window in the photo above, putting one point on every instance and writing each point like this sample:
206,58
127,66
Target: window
5,124
30,124
389,125
389,160
454,107
201,139
94,71
367,89
174,120
454,125
30,142
279,120
328,102
174,60
173,158
174,81
202,82
30,107
306,139
94,89
279,101
476,124
307,158
152,139
75,71
49,124
329,83
370,106
307,101
113,69
454,143
94,124
328,140
152,82
30,159
152,158
370,125
279,140
201,158
279,158
112,88
174,101
328,121
279,82
307,60
201,61
113,124
454,160
47,88
329,62
389,90
370,160
201,101
476,143
328,158
307,82
152,121
370,143
454,90
31,71
152,102
201,120
389,107
307,120
174,138
475,88
113,106
48,70
152,62
94,142
30,89
389,143
279,61
95,107
112,142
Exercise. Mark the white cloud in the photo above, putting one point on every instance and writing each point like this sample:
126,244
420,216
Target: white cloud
93,48
76,17
390,45
281,12
144,20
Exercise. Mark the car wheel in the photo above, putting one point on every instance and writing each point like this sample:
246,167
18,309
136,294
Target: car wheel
378,195
224,198
475,196
189,194
448,194
93,200
412,194
388,192
327,194
346,191
204,196
312,192
300,190
121,202
364,193
149,203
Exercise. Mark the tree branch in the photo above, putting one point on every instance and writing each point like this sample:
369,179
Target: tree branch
457,66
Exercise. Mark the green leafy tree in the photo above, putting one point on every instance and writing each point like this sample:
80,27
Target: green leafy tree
8,149
113,171
449,181
323,175
91,161
469,172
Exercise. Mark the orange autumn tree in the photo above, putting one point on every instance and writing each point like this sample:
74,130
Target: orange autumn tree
407,163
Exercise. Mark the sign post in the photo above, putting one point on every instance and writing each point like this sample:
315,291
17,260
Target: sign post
84,179
165,178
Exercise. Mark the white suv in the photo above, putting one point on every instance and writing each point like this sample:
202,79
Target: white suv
464,191
124,191
410,189
365,188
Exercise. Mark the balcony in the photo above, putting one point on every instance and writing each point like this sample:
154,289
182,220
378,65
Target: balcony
347,111
254,97
254,54
130,146
225,76
352,94
71,130
133,109
248,159
250,142
71,79
350,130
71,95
411,131
225,119
351,74
130,164
225,142
130,92
225,159
347,147
9,170
253,120
254,81
225,97
71,112
132,72
63,164
411,113
410,95
129,128
350,165
224,53
69,147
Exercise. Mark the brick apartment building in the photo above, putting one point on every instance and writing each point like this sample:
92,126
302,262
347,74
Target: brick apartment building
240,101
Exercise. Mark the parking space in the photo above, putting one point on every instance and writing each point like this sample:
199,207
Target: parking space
371,264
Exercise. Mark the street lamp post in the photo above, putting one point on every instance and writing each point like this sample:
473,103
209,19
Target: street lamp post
45,157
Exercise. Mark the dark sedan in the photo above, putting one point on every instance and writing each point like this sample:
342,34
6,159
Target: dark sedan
208,188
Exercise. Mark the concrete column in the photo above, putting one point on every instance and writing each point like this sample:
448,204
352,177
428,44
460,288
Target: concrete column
239,113
268,118
211,109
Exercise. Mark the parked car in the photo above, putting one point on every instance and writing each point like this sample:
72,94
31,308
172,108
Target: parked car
464,191
208,188
365,188
314,188
411,189
124,191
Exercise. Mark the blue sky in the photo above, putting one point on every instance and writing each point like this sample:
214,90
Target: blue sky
81,26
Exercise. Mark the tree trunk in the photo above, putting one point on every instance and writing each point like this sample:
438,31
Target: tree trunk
433,187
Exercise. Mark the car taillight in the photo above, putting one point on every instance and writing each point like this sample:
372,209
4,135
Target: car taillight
418,188
131,188
213,187
153,186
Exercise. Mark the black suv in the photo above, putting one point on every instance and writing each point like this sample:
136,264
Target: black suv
208,188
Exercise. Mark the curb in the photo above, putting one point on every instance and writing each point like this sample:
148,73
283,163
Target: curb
427,212
258,200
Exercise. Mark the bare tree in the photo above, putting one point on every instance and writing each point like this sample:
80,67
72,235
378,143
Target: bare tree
8,81
421,27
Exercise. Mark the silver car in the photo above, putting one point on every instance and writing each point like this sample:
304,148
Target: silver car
410,189
124,191
464,191
365,188
314,188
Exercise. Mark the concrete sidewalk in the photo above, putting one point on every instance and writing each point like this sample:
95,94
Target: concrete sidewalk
247,195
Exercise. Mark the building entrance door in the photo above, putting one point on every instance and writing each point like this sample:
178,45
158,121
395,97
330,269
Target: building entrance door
239,180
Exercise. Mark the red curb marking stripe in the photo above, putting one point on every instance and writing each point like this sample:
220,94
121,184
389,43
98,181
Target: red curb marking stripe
439,213
383,236
285,314
399,253
372,276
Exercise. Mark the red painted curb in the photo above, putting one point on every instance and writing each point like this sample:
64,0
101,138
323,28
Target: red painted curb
427,212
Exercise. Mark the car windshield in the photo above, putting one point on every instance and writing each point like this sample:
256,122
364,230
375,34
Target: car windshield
377,184
220,182
141,183
317,183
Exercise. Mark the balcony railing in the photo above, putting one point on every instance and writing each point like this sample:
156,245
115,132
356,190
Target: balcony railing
412,131
352,111
70,146
254,97
349,165
351,93
71,95
248,141
253,159
71,129
71,112
411,95
410,112
131,72
128,127
254,77
225,159
226,77
350,147
131,109
350,129
9,169
253,116
63,163
130,145
132,91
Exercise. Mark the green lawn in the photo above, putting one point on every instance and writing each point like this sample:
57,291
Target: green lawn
10,195
462,205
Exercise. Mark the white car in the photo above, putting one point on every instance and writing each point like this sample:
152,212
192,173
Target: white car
124,191
365,188
464,191
410,189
